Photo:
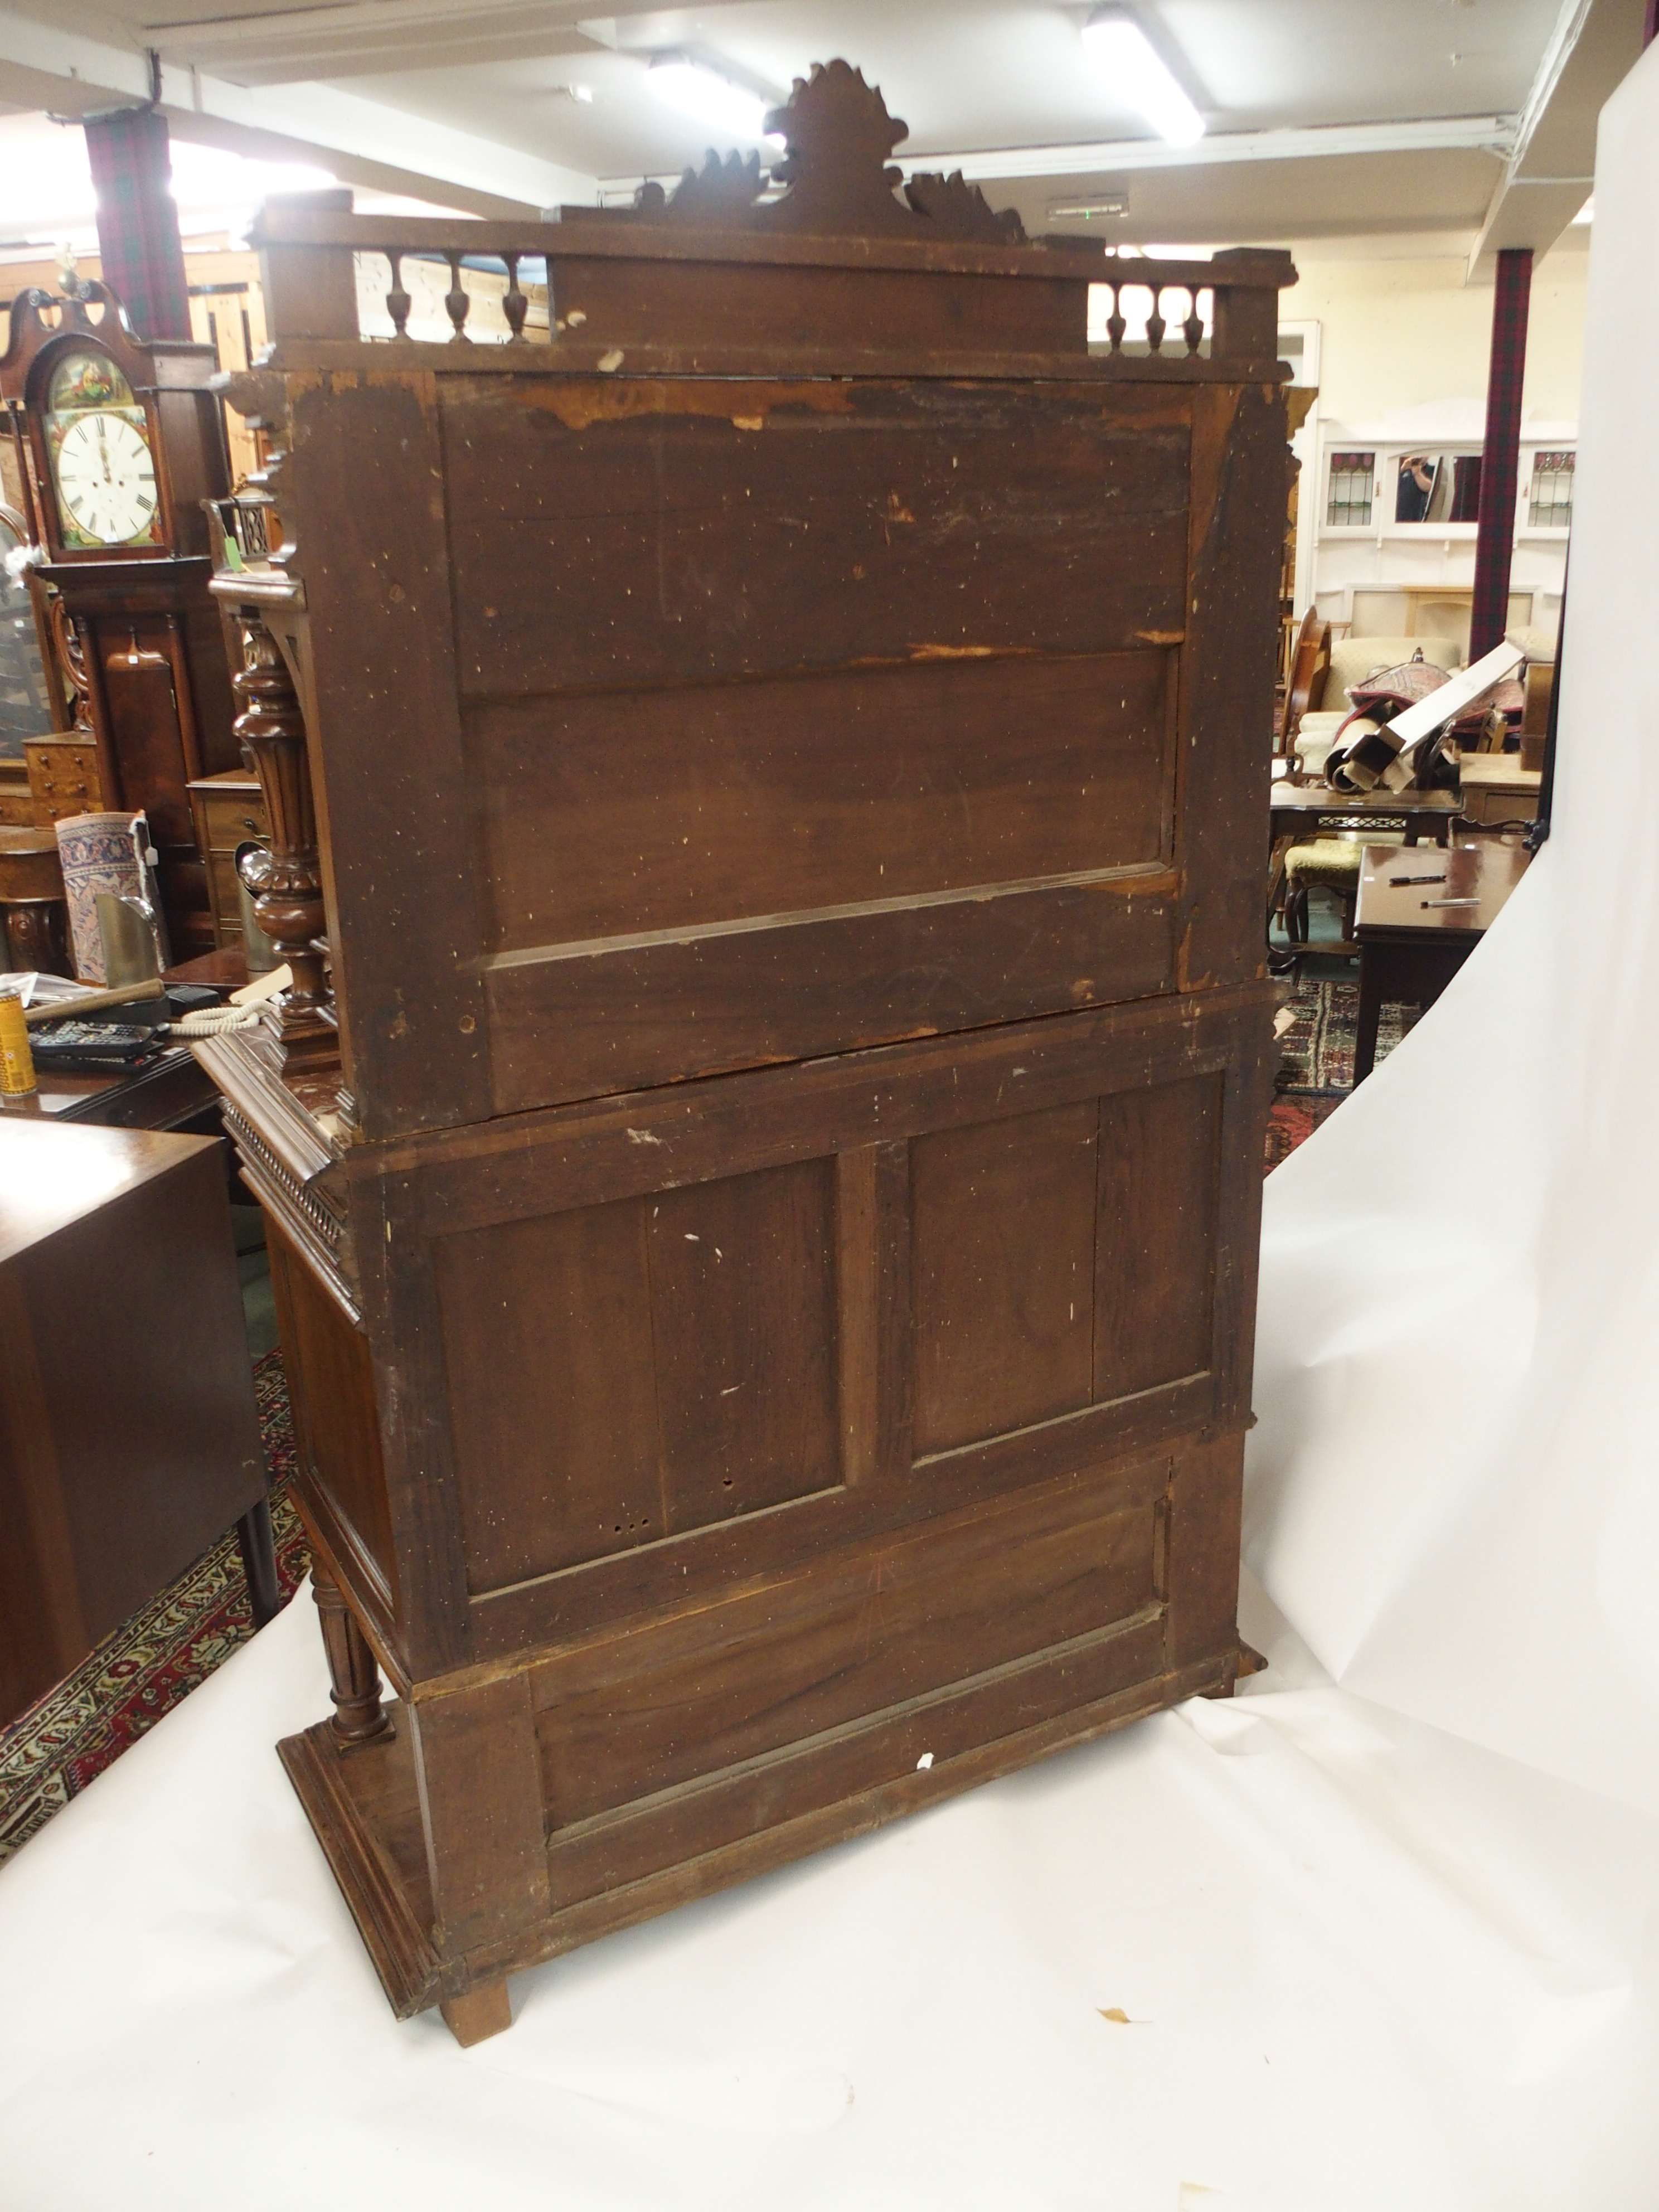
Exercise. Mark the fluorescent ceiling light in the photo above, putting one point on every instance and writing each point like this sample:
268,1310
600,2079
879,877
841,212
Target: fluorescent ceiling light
696,89
1109,203
1125,59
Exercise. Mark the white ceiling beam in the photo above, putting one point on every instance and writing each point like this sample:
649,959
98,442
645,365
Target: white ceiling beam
371,37
1490,134
311,42
362,141
1484,133
1552,163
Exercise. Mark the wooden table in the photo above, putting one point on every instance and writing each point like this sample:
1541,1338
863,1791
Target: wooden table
172,1093
128,1437
1497,788
1409,950
1315,810
1305,810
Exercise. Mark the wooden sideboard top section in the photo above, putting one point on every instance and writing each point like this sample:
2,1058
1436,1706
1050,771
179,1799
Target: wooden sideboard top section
815,643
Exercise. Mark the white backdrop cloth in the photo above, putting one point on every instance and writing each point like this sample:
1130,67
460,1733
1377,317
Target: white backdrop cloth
1382,1930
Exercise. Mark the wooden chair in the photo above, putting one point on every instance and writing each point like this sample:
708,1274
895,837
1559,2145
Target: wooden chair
1327,864
1308,664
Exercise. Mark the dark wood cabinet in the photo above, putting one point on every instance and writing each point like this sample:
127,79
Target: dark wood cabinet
767,1271
129,1440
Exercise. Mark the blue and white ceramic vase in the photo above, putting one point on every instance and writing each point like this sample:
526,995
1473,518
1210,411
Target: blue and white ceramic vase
98,855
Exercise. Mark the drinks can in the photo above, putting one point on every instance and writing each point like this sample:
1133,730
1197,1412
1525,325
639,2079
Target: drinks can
16,1060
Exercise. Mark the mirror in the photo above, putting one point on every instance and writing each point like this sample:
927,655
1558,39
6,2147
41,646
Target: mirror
1438,488
25,710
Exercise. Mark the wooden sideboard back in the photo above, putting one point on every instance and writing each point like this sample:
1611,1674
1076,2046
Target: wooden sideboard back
789,761
792,656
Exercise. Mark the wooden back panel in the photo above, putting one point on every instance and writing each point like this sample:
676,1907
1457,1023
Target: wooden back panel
695,1334
689,728
815,643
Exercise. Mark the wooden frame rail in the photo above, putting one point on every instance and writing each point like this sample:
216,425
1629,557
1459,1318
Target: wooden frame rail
1221,314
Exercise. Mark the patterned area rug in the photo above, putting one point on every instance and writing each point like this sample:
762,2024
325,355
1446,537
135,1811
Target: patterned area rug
50,1753
1293,1118
1316,1051
1315,1071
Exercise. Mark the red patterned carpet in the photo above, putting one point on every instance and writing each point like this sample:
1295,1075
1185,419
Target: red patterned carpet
50,1753
1315,1071
1293,1118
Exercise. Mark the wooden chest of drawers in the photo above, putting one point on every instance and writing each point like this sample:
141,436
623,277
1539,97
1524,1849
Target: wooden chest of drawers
769,1311
228,809
63,778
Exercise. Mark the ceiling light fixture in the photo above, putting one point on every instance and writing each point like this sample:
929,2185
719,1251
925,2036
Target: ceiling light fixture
697,90
1109,203
1126,59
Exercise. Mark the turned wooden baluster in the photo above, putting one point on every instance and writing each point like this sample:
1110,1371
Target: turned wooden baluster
398,301
1116,322
359,1715
1193,329
1156,325
286,883
515,306
457,301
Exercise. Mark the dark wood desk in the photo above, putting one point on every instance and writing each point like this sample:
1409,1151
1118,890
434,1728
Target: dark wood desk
172,1093
129,1438
225,970
1410,951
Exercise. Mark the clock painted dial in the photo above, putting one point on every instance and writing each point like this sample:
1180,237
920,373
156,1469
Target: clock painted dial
106,479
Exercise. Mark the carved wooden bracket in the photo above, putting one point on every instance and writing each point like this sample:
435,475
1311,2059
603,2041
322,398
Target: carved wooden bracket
285,881
836,174
71,655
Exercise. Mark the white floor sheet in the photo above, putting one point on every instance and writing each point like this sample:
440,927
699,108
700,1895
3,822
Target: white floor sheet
1381,1931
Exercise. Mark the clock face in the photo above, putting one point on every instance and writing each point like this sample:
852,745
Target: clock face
106,479
98,444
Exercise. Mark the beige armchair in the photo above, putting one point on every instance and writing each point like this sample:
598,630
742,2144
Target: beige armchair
1352,660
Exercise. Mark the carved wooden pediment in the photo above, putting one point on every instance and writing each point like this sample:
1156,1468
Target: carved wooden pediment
38,316
836,175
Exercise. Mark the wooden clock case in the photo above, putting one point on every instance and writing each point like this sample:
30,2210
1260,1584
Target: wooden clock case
764,1227
135,627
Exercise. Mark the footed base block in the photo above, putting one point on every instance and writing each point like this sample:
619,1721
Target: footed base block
479,2013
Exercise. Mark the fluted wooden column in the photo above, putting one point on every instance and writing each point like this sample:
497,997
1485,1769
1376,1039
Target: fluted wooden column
359,1715
286,882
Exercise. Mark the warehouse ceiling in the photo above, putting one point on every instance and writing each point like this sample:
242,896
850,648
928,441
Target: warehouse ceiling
1449,126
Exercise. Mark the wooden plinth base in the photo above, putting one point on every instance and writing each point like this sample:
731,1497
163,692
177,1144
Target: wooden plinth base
365,1809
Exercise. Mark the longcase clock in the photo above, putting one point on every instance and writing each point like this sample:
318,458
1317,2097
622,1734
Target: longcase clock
121,441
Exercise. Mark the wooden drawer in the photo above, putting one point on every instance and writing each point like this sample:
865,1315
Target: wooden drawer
63,778
231,817
1489,804
226,811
